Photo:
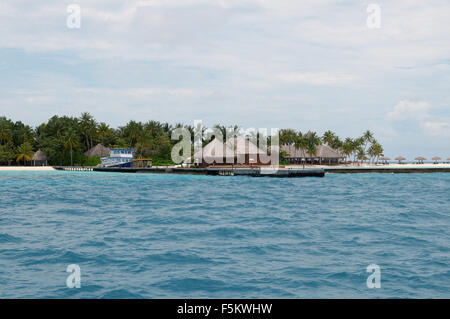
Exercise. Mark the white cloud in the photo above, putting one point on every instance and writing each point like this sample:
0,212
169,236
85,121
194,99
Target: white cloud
249,57
437,128
407,110
418,114
138,92
317,78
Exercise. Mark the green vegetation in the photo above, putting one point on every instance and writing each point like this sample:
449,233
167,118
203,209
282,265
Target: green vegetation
65,140
364,148
160,161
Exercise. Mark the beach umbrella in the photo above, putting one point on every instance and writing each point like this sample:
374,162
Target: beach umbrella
400,159
384,159
420,159
436,159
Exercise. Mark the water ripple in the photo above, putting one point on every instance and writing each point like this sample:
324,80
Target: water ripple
150,236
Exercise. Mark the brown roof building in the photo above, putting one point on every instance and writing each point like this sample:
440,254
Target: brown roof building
236,151
324,155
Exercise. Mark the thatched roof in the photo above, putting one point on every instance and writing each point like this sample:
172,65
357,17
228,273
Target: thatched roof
400,158
294,152
384,158
323,151
420,158
98,150
39,156
436,158
240,146
214,151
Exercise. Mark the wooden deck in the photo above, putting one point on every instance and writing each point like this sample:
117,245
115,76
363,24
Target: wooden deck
254,172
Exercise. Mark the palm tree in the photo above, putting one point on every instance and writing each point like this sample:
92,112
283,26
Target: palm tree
144,140
348,147
7,153
375,150
336,143
140,151
71,142
103,131
288,136
358,144
312,141
301,143
367,138
132,131
5,131
328,137
361,155
228,132
24,152
87,127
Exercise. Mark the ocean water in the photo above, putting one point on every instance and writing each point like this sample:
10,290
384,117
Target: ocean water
175,236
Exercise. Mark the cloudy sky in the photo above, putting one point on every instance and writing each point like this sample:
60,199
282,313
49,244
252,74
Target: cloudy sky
310,64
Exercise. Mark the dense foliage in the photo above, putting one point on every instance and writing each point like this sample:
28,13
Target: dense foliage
65,140
364,148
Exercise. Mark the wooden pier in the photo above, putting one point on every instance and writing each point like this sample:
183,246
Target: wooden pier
75,168
261,172
253,172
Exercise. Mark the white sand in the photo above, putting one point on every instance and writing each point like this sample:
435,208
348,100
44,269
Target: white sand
365,165
26,168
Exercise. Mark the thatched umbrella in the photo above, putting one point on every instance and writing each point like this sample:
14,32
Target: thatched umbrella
98,150
400,159
40,158
436,159
384,159
420,159
448,159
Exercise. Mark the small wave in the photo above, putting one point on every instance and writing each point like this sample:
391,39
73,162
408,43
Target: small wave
6,238
183,285
178,258
121,294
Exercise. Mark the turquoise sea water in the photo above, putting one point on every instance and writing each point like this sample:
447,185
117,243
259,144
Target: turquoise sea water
174,236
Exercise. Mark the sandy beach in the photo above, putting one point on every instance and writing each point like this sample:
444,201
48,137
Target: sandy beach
365,165
26,168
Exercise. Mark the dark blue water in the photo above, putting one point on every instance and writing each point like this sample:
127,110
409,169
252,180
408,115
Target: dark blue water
152,236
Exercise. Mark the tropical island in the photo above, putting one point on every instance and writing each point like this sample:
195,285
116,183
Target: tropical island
83,141
67,140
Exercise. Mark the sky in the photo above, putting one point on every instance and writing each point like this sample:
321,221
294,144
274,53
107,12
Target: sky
308,65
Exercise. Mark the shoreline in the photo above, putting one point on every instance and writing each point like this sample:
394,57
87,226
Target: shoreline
338,169
376,166
26,168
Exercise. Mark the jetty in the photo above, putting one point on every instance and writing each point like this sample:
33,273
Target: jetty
252,171
74,168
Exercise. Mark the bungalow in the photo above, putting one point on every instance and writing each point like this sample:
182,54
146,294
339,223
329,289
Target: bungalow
39,159
236,151
324,155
